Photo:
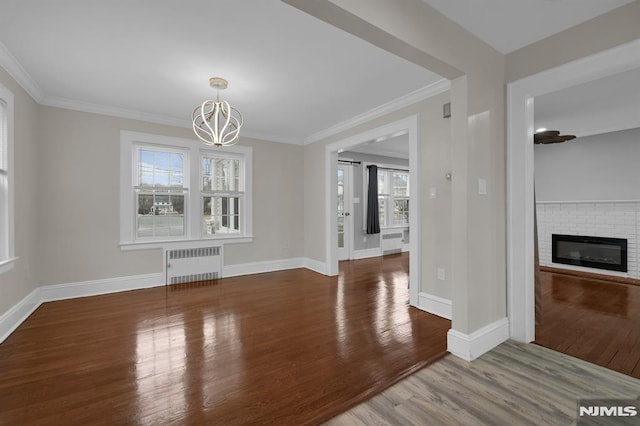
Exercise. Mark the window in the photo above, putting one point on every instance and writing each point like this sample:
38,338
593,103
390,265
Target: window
7,243
222,195
393,197
179,191
160,192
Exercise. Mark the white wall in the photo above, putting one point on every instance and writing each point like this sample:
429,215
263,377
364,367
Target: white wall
599,167
604,219
589,186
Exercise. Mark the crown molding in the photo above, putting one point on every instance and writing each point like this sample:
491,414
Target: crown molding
72,104
19,74
271,137
22,77
411,98
81,106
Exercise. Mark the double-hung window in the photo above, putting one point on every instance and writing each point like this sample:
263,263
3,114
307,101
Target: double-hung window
222,188
160,192
178,192
7,242
393,197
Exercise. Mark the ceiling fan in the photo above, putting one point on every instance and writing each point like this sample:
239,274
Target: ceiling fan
544,136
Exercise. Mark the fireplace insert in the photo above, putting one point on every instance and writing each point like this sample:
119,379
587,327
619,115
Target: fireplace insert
592,252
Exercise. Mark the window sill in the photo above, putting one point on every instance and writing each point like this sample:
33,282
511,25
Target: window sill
7,265
178,244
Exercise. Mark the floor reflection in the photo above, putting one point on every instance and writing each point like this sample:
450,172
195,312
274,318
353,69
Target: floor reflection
161,354
606,298
222,345
287,347
386,293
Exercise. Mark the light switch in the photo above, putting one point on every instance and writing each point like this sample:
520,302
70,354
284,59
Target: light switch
356,200
482,186
432,192
441,275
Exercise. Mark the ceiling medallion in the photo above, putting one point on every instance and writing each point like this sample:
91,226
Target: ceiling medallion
216,122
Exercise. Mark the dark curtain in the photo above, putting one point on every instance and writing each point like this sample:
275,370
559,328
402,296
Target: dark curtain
373,218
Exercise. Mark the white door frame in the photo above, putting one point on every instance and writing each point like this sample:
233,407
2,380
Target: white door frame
520,98
409,124
348,208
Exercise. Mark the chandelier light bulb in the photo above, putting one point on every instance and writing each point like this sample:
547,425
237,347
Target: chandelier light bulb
216,122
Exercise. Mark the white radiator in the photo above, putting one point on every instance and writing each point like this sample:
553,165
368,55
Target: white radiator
196,264
391,242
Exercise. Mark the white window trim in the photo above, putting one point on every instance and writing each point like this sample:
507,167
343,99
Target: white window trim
136,147
7,263
242,184
193,232
365,192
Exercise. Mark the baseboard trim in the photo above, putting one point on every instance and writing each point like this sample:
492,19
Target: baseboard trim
50,293
367,253
435,305
261,267
471,346
15,316
315,265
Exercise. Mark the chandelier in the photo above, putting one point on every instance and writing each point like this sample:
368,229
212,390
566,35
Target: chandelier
216,122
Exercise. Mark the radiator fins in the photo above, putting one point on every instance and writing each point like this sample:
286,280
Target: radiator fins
195,277
194,252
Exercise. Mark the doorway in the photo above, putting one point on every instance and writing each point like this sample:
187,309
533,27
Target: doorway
410,126
520,197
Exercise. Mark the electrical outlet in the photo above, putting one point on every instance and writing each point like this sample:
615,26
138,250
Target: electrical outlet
364,238
441,275
432,192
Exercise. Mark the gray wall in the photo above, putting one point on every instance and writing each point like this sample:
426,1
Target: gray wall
79,164
357,180
599,167
21,280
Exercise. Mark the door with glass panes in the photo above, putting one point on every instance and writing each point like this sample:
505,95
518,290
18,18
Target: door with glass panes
345,220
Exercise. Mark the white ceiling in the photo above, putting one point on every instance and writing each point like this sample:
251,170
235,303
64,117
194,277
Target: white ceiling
601,106
508,25
292,76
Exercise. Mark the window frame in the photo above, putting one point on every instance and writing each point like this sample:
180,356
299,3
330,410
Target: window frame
137,188
7,196
240,192
388,197
130,143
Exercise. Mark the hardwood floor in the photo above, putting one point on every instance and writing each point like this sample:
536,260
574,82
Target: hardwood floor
514,384
290,347
594,320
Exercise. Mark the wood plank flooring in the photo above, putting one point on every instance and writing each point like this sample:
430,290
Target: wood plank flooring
290,347
594,320
514,384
